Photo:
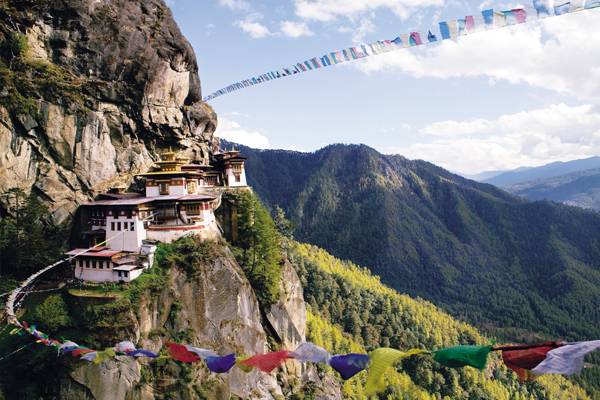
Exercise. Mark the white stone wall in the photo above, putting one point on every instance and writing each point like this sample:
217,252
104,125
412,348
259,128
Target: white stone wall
178,189
231,178
152,191
125,239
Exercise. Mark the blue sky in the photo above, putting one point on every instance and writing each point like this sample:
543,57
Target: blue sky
523,95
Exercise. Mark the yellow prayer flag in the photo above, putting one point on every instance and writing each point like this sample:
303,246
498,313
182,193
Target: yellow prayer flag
246,368
381,359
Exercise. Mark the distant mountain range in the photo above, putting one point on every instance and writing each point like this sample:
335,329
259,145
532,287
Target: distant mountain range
475,250
581,188
546,171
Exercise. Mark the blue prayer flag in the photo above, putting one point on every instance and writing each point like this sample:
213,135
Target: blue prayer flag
349,365
220,364
542,7
488,17
562,9
432,37
445,30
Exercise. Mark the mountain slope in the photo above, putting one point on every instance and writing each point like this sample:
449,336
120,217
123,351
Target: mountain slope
471,248
581,189
545,171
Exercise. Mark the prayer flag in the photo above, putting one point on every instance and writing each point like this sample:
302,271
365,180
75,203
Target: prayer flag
382,46
520,15
462,25
142,353
268,362
126,345
566,360
432,37
388,45
479,23
332,59
181,353
346,56
460,356
102,355
316,62
220,364
470,24
89,356
325,61
201,352
509,17
405,39
339,56
488,17
308,65
453,27
592,3
381,360
399,43
359,53
445,30
416,37
365,49
350,364
522,359
542,7
499,20
82,351
246,368
562,9
308,352
532,13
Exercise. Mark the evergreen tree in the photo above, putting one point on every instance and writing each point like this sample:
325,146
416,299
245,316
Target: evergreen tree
259,241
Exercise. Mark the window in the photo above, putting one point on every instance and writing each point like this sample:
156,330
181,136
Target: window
94,264
132,226
237,177
163,188
101,264
237,168
112,226
125,274
119,273
86,262
119,226
192,209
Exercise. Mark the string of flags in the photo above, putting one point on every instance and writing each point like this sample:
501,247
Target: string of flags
489,19
528,361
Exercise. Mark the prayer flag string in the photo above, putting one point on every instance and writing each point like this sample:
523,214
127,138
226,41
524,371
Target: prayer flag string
489,19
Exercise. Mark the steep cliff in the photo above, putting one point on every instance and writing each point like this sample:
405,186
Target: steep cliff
209,305
99,89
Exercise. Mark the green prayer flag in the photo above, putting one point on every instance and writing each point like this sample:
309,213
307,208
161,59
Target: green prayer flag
460,356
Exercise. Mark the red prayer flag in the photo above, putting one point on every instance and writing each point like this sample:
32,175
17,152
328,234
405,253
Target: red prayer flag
522,359
268,362
81,351
179,352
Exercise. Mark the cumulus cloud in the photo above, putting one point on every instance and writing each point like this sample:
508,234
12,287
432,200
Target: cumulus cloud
295,29
234,132
556,54
328,10
366,27
238,5
537,137
254,29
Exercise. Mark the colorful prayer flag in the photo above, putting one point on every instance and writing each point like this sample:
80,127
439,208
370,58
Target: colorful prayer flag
220,365
308,352
522,359
381,360
268,362
349,365
181,353
566,360
460,356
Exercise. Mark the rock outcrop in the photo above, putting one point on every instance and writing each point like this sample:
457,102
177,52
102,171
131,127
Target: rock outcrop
217,310
134,76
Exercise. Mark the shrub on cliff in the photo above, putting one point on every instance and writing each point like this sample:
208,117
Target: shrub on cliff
52,314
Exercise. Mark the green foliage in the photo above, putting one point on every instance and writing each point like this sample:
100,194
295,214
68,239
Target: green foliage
18,45
339,288
25,236
525,271
259,243
52,314
191,254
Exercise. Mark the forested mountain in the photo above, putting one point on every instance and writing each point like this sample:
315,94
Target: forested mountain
470,248
581,189
545,171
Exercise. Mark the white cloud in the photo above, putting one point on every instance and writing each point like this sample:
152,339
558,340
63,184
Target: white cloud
328,10
234,132
238,5
295,29
237,113
537,137
557,54
366,27
254,29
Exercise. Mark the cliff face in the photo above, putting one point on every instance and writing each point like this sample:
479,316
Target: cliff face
131,77
217,310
